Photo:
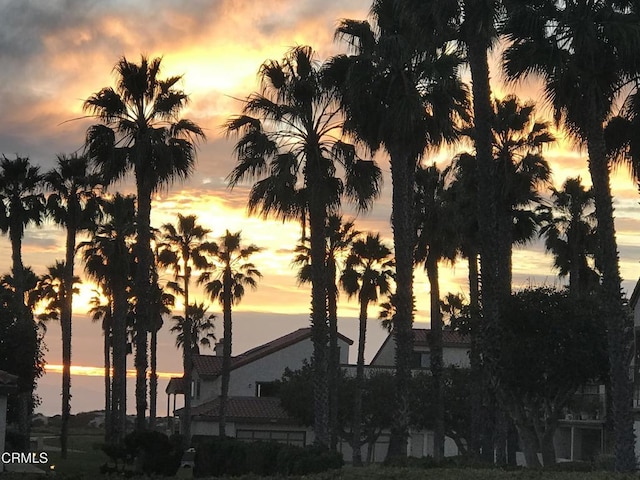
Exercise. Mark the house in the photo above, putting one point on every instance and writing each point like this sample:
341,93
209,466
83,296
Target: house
8,384
253,409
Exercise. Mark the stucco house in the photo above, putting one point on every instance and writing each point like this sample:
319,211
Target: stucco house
8,384
254,411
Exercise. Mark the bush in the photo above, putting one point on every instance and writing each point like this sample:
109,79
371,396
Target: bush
155,453
226,456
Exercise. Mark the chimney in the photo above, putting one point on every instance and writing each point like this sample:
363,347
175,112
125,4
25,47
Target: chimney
217,349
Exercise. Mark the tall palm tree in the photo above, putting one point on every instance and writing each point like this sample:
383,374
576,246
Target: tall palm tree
436,241
140,130
288,144
21,204
368,273
108,261
570,234
184,247
400,91
585,51
52,289
101,312
201,325
71,204
340,236
227,285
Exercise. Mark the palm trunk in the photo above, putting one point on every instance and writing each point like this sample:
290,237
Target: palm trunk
143,291
319,326
436,356
187,359
226,349
119,388
108,417
402,220
65,323
356,443
334,360
153,379
477,387
616,317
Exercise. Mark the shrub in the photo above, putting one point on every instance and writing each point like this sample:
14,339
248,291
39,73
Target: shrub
155,453
217,457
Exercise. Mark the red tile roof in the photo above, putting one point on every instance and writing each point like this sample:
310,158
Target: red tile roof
175,386
245,408
211,365
449,338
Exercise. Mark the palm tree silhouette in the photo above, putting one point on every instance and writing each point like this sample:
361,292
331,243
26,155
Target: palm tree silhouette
140,131
585,52
184,247
368,273
107,260
201,326
234,273
72,205
288,144
400,91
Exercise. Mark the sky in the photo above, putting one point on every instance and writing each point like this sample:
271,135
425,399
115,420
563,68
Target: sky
55,54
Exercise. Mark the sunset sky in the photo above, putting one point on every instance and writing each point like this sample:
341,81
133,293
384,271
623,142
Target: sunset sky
55,54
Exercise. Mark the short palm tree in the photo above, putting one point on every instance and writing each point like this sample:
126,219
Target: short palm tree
570,232
201,325
226,284
585,52
183,247
368,273
72,205
108,261
400,91
289,143
140,130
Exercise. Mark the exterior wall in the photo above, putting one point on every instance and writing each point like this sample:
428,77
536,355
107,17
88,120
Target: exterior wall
208,390
458,356
386,354
242,382
210,428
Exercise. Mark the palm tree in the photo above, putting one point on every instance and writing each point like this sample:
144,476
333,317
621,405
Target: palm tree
183,248
100,312
570,234
437,240
368,273
227,286
400,91
71,204
585,51
201,326
108,261
340,236
288,144
140,130
21,204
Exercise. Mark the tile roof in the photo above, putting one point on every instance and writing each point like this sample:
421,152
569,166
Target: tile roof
211,365
175,386
245,408
449,338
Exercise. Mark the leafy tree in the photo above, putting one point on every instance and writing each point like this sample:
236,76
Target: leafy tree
235,272
71,204
400,91
288,144
108,261
546,346
368,273
184,247
140,130
585,51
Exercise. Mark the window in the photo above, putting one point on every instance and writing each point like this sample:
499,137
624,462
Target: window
280,436
420,360
267,389
195,388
